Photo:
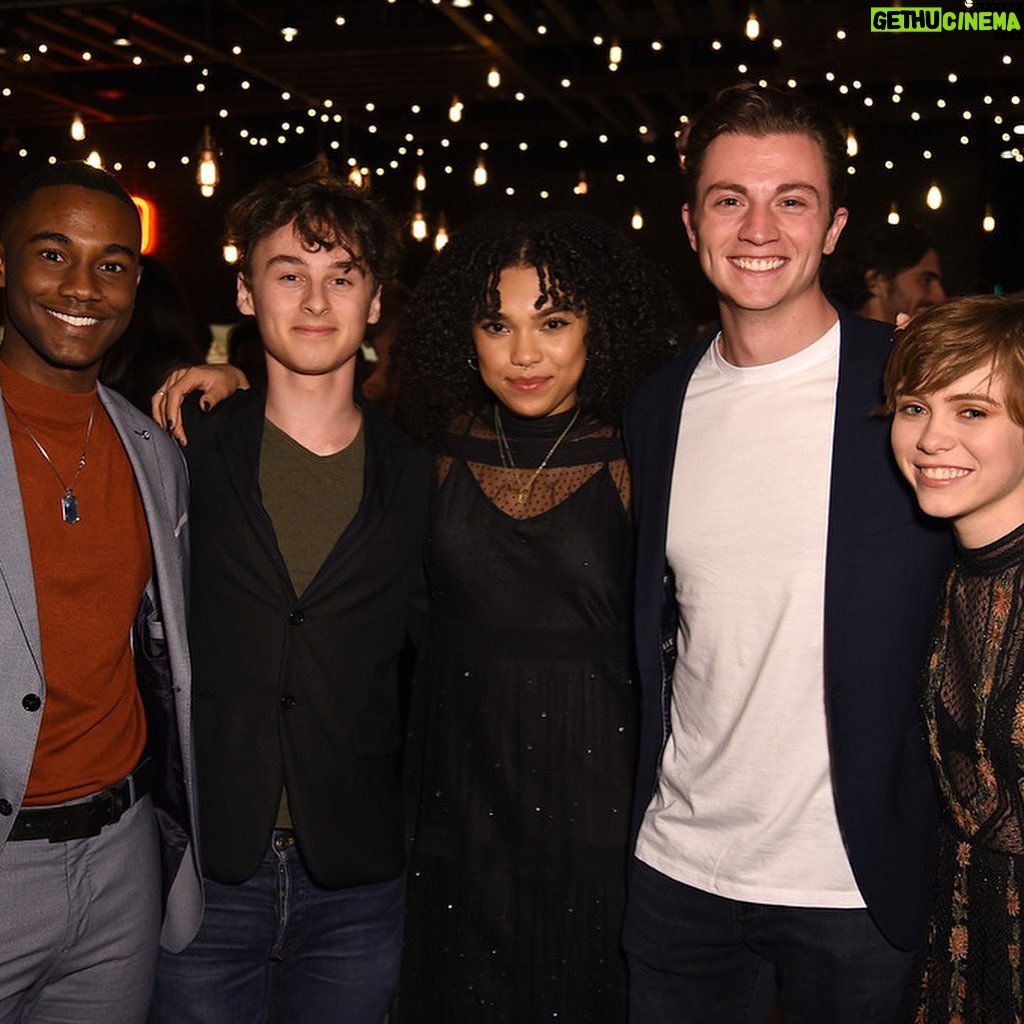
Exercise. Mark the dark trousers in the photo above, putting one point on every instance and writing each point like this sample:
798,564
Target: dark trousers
697,957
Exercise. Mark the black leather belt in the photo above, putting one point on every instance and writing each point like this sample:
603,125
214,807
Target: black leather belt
86,817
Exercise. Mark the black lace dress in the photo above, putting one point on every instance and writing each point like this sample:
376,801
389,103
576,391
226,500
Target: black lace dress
974,710
524,746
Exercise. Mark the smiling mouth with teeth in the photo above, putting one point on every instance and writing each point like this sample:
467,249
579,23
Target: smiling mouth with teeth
757,264
74,321
942,472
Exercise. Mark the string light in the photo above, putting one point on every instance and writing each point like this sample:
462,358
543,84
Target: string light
494,78
230,252
419,226
480,173
455,110
636,222
77,127
852,146
207,171
753,27
988,222
94,159
933,199
615,53
420,181
441,237
894,215
581,188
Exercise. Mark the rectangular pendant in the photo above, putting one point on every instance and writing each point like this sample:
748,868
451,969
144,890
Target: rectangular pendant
69,508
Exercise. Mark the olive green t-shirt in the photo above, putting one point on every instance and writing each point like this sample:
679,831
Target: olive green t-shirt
310,499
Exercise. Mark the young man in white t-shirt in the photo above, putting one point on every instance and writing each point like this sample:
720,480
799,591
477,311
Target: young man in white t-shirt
785,814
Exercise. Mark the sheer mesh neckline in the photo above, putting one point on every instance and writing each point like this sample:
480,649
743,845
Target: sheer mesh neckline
993,558
586,449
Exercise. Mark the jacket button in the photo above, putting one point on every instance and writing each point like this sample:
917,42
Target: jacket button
31,702
5,807
297,618
288,702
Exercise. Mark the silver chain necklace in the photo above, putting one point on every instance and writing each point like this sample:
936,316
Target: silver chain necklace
507,462
68,501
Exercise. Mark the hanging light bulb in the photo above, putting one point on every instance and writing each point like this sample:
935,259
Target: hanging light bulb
934,197
77,127
355,177
420,230
480,174
894,215
207,171
615,53
230,252
852,146
636,222
441,238
93,159
494,78
753,28
988,222
582,187
420,182
455,110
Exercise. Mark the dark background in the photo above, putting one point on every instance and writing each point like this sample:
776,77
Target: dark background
144,115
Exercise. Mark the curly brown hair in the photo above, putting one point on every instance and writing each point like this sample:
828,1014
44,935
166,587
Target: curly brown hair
634,319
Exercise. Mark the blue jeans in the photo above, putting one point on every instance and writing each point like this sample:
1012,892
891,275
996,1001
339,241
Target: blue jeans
697,957
280,948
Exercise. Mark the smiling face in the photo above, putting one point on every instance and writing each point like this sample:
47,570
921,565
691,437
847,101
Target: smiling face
312,305
964,456
760,222
531,352
69,267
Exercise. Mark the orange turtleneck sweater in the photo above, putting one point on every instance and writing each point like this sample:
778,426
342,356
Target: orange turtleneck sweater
89,579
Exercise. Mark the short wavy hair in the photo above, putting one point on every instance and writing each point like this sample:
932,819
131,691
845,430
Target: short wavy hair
944,343
327,211
759,110
634,319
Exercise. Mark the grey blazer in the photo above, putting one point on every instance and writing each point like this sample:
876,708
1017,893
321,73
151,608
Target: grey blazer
159,642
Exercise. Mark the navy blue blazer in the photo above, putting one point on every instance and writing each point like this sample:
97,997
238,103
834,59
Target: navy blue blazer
884,567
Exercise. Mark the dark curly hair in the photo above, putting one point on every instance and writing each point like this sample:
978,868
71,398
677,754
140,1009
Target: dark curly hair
327,211
634,319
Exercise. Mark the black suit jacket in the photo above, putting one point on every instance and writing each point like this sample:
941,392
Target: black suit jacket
884,566
300,689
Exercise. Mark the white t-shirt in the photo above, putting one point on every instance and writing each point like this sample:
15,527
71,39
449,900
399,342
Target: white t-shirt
744,805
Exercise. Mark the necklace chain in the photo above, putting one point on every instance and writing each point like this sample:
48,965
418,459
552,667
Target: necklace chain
68,502
522,492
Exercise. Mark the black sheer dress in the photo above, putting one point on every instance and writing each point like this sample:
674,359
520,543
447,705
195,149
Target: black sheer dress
974,710
525,741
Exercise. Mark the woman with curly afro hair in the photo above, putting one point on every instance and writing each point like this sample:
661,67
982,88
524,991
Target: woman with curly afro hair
516,354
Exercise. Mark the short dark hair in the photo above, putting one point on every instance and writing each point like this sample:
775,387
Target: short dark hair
66,172
327,212
888,249
947,341
634,318
760,110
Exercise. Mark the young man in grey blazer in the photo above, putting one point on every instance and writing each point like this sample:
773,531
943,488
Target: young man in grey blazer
98,861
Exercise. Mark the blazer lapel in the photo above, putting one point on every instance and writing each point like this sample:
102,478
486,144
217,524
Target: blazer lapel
16,575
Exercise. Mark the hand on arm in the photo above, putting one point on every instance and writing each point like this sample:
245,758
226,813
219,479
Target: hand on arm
215,381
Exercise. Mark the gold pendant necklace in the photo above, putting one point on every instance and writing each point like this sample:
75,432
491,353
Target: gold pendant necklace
68,502
523,492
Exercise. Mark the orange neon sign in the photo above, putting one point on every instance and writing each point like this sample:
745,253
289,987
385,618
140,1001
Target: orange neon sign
147,214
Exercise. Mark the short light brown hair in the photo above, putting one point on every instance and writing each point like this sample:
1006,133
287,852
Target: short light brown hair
762,110
944,343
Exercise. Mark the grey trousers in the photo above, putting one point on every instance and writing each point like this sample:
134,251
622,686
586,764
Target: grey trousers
80,925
